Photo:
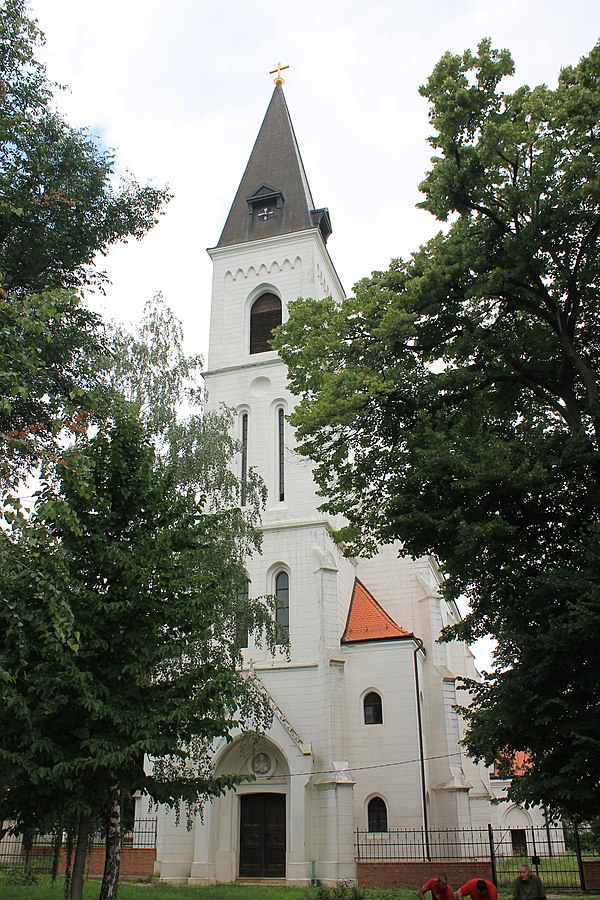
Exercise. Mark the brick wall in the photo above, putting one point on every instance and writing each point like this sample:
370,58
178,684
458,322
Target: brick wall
591,871
136,862
415,874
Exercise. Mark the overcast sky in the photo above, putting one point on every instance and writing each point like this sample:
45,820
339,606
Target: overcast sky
179,90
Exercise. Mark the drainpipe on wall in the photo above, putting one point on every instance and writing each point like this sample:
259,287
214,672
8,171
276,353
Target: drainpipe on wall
420,646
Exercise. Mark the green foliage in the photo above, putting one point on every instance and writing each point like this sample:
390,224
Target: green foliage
47,344
45,889
346,891
153,587
339,892
452,404
60,208
19,876
127,891
150,368
144,658
589,837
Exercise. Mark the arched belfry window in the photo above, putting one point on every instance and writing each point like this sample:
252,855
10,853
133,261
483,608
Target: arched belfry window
265,315
377,815
282,608
373,708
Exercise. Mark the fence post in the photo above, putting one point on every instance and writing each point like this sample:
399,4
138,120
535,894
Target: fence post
492,854
357,847
550,854
534,856
579,859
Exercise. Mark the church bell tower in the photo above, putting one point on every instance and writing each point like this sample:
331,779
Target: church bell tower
272,250
365,733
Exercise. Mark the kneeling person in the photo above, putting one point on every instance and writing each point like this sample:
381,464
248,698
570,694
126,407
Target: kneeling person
439,887
478,889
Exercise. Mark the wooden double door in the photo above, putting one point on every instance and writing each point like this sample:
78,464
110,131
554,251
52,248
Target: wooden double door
262,836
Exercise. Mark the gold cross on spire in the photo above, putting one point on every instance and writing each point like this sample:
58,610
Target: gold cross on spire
279,80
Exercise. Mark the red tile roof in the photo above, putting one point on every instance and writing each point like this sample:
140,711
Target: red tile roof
367,621
519,764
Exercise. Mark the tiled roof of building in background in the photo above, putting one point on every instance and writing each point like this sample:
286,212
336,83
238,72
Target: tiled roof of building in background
516,763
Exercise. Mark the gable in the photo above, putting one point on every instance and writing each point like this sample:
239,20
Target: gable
367,620
264,190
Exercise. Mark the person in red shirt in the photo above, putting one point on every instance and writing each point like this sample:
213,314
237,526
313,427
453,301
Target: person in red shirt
439,887
478,889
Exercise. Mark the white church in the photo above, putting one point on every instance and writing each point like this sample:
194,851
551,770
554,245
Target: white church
364,733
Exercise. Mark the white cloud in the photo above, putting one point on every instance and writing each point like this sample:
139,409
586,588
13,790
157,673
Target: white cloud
180,89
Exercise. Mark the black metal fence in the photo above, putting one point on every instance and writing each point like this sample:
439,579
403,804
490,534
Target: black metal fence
407,845
554,852
41,852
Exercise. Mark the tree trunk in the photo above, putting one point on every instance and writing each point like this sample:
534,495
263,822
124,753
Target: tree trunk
83,831
112,860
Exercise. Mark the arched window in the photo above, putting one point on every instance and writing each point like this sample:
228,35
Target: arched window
373,709
282,609
241,622
265,315
377,814
281,454
244,471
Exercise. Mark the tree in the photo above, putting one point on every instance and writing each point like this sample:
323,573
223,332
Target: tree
60,206
48,342
60,209
154,581
452,404
191,471
149,367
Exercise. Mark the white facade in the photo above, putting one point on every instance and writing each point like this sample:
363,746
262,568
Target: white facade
320,764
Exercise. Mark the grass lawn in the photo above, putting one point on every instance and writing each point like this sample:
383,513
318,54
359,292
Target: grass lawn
45,890
558,873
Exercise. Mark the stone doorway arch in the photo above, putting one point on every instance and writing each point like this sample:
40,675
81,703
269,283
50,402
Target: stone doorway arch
250,826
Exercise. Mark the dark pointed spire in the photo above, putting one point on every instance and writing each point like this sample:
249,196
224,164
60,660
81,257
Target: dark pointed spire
273,196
